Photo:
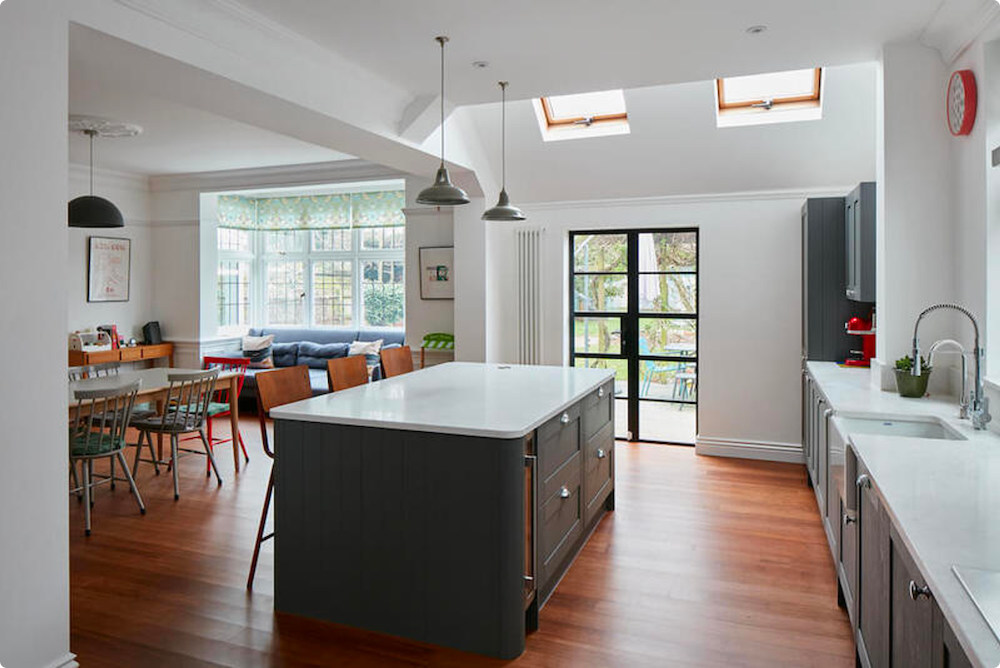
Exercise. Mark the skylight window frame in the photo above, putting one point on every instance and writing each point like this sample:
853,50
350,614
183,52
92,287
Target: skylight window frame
776,102
552,121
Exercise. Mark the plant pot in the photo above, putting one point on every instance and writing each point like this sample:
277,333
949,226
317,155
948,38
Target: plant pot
910,385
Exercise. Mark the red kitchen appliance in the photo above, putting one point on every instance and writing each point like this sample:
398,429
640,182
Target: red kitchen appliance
866,330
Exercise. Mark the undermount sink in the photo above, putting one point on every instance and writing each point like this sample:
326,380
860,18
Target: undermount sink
918,427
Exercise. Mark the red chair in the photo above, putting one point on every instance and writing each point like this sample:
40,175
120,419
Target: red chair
219,407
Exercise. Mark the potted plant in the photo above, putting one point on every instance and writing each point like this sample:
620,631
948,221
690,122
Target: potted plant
908,384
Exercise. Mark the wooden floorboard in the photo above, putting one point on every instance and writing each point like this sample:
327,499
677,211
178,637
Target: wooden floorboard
705,562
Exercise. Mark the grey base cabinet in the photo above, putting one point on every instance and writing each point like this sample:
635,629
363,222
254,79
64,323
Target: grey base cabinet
449,539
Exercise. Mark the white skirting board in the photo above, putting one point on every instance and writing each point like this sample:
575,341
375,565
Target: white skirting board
67,661
727,447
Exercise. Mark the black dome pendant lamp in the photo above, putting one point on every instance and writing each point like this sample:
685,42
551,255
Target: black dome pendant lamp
443,192
504,210
90,210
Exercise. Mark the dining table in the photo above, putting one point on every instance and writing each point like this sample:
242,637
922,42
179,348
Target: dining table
153,388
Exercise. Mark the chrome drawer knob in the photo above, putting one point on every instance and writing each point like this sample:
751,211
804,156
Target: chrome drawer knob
565,418
849,519
919,592
601,454
864,481
600,393
564,493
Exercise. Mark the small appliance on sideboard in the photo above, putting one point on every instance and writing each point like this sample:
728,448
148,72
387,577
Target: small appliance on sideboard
151,333
866,330
90,342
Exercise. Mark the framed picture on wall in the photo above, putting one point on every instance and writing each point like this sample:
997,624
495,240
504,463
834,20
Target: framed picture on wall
437,279
109,263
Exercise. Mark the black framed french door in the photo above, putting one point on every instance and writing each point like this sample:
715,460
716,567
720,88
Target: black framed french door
634,309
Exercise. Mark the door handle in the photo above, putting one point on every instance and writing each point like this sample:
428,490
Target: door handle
864,481
565,418
919,592
601,454
564,493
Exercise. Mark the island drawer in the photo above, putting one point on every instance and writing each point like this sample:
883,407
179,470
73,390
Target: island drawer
558,441
597,409
597,469
560,517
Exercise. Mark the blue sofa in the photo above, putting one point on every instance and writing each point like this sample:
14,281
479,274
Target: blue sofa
313,347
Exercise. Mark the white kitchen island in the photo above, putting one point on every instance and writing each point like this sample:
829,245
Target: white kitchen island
442,505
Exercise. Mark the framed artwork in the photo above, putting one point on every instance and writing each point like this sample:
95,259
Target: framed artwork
109,263
437,279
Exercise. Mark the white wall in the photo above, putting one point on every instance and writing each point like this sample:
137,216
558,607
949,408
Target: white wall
34,552
130,193
750,305
426,226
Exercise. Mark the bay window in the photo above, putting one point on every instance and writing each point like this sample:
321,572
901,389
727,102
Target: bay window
332,260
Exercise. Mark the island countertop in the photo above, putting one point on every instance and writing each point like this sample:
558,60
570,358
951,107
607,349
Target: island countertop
465,398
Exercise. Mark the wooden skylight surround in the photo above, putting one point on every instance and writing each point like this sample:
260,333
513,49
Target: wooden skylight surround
770,98
582,115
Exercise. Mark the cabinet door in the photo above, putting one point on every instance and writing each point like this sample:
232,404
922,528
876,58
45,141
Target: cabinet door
912,613
806,417
873,575
948,653
849,558
850,246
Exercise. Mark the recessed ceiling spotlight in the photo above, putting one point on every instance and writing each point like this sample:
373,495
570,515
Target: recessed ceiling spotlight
756,30
480,64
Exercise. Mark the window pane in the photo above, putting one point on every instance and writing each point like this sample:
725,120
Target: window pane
620,367
668,251
668,293
384,298
285,292
600,293
794,83
600,252
331,240
668,336
332,284
579,105
673,423
233,294
673,381
233,239
287,241
597,335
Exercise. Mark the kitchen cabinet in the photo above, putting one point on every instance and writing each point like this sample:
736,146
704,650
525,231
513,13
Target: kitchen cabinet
825,306
912,612
872,632
948,653
859,243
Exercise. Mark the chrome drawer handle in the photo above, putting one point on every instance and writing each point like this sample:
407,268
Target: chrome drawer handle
565,418
600,393
564,493
849,519
918,592
864,481
601,454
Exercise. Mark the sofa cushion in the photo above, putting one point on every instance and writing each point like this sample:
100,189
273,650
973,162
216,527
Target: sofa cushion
388,336
315,355
285,354
297,334
318,381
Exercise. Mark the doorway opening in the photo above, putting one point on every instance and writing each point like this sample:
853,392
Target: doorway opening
634,310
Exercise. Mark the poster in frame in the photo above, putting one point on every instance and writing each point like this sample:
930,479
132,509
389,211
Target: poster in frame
109,265
437,276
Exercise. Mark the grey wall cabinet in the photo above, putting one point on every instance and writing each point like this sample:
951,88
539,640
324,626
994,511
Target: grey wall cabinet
825,304
859,243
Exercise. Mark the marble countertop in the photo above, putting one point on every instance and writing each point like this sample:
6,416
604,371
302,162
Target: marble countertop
942,496
486,400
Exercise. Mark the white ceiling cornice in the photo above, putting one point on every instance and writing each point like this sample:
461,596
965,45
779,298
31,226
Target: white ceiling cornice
340,171
957,24
705,198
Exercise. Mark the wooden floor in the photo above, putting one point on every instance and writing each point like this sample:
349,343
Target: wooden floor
706,562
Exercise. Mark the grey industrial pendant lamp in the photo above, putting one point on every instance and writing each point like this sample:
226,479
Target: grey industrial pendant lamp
90,210
443,192
504,210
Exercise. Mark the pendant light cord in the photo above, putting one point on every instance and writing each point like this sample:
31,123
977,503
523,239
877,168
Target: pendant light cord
91,135
503,135
442,40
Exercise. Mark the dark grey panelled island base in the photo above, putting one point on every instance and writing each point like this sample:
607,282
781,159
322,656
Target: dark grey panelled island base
442,505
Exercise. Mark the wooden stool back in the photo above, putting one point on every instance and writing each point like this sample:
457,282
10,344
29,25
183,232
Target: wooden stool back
346,372
277,388
396,361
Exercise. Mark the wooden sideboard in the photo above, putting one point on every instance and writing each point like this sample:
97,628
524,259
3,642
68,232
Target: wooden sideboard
133,354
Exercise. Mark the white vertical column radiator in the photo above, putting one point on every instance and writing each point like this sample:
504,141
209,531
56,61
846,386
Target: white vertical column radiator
529,295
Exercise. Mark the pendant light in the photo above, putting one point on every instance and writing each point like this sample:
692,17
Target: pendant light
443,192
90,210
504,210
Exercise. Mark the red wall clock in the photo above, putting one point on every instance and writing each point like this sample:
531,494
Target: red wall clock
961,102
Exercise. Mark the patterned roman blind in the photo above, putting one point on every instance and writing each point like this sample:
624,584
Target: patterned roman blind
313,212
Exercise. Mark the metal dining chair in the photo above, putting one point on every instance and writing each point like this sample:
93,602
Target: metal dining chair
275,388
185,410
94,371
98,431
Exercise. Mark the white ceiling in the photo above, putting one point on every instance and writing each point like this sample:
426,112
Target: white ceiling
565,46
177,138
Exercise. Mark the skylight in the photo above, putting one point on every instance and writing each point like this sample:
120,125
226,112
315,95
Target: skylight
580,115
776,97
